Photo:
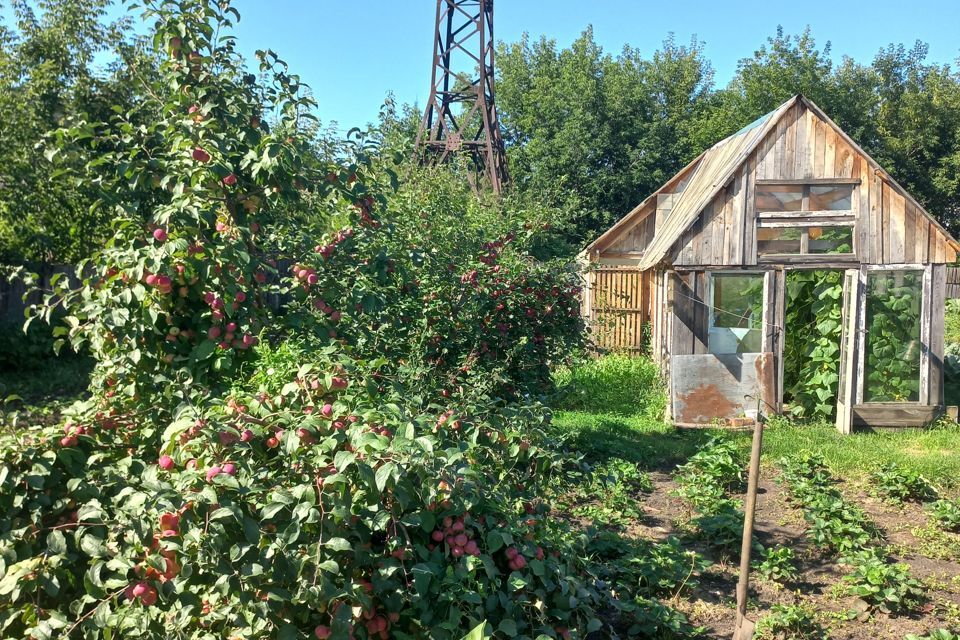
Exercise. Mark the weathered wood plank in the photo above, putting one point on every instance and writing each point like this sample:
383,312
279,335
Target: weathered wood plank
938,292
826,181
776,170
896,217
819,147
788,161
738,216
863,248
749,223
830,153
801,164
894,415
909,233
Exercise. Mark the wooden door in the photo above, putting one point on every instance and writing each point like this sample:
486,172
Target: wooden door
849,353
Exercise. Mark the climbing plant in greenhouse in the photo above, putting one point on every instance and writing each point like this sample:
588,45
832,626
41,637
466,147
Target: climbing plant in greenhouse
812,344
893,336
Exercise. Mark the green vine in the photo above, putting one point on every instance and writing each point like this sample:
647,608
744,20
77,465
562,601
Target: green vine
812,342
893,337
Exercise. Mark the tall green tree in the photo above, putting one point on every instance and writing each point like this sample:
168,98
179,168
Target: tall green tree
49,72
594,133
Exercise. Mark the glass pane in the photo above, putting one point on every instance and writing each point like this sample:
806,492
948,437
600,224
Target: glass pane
779,197
736,313
778,241
893,336
831,197
833,240
789,240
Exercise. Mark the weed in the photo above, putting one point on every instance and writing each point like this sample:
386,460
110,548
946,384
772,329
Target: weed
615,384
939,634
606,492
932,541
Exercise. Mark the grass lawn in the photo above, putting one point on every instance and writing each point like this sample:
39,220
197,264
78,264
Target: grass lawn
934,453
612,407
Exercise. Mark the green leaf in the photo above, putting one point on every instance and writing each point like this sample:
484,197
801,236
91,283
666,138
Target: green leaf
56,543
384,474
477,632
508,627
338,544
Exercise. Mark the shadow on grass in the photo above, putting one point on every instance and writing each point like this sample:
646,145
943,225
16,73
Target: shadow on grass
48,381
651,444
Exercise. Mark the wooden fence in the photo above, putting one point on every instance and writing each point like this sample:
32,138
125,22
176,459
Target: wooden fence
13,288
617,308
953,283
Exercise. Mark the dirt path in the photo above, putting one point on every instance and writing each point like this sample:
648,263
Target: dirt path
711,604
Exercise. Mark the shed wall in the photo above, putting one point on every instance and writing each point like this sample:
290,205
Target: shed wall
889,227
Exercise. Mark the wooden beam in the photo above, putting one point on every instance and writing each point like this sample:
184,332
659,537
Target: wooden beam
799,215
804,181
895,414
810,261
792,224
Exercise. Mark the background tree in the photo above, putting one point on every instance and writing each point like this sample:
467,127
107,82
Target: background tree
593,133
49,72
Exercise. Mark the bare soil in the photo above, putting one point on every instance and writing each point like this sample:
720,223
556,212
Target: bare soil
933,556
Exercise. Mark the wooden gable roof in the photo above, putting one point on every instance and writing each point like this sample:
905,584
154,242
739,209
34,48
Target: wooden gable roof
714,170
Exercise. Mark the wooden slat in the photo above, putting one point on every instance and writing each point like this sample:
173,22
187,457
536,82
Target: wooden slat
819,222
824,181
830,153
794,215
801,164
788,159
864,247
897,221
819,147
909,233
894,415
749,223
778,149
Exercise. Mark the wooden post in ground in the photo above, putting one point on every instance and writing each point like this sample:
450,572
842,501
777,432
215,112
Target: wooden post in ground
744,626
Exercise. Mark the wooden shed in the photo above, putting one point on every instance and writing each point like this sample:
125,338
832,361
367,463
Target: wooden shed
703,263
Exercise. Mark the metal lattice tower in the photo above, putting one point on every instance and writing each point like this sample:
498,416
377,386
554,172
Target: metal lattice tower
461,116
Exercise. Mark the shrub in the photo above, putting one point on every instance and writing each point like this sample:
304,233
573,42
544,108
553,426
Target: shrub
790,622
885,586
777,565
617,384
900,485
946,513
345,469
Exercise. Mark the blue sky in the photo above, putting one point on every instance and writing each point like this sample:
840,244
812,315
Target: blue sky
353,53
